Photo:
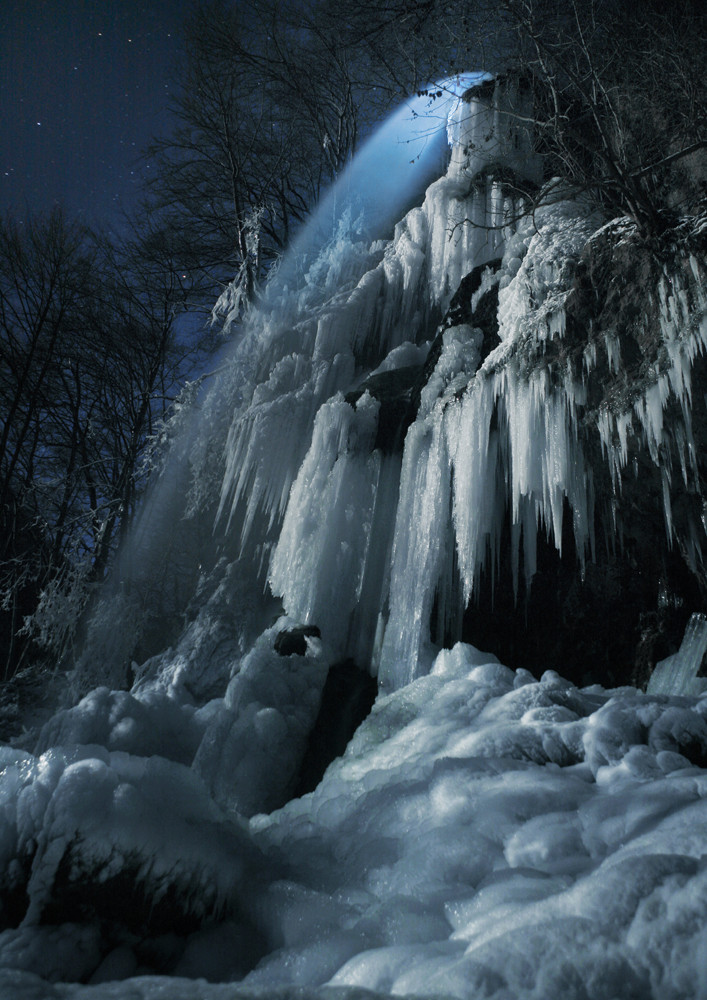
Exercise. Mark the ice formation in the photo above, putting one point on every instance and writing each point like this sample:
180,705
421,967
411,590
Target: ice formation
358,309
485,833
495,438
677,674
358,303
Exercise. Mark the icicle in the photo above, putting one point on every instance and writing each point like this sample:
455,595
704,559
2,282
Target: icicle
613,352
477,507
667,503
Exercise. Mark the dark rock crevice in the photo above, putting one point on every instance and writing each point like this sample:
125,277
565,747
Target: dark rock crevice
347,698
398,390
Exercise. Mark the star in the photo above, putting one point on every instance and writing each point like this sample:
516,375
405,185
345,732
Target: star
81,135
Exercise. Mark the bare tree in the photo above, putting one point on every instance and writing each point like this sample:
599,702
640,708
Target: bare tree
90,357
268,112
620,108
44,268
620,100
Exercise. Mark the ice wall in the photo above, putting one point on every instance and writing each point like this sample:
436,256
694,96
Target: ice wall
515,441
336,312
371,547
331,562
357,305
497,439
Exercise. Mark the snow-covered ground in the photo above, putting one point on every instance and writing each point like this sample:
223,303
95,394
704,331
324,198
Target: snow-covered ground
485,835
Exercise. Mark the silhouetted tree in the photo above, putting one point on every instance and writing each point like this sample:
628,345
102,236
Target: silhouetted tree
90,358
620,100
270,108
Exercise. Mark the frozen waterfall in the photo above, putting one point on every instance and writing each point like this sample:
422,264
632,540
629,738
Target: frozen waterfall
291,457
405,421
498,437
318,783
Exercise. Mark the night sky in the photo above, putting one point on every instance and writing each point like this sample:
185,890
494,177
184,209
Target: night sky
84,86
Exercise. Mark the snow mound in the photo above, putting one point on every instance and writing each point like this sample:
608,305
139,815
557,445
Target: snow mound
251,751
90,834
117,720
490,834
485,833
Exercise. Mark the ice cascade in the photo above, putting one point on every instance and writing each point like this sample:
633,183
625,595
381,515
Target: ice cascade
502,435
335,500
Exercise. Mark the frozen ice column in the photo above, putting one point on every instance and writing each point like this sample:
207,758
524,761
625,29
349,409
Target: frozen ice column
677,674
